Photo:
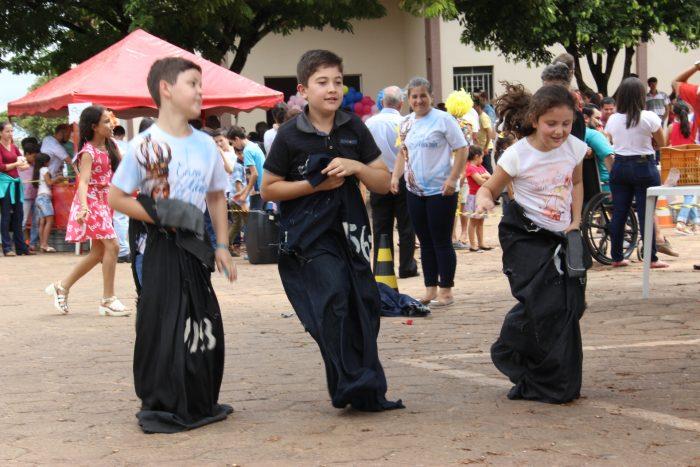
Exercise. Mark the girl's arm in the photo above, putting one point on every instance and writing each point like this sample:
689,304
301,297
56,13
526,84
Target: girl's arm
85,171
659,137
577,199
480,179
490,190
52,181
668,135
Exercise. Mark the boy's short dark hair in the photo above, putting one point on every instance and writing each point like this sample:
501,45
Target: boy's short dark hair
235,132
220,132
167,69
119,131
474,151
28,141
608,100
652,80
30,147
312,60
61,127
213,122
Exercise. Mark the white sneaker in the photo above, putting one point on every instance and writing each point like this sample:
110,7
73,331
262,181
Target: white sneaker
682,229
113,307
60,297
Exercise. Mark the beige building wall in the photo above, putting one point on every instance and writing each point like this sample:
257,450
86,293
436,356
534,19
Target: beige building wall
383,51
664,62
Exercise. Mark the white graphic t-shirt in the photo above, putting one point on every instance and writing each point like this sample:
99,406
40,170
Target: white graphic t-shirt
164,166
543,181
430,142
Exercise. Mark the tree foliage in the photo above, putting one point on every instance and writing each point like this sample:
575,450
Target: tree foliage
594,30
42,36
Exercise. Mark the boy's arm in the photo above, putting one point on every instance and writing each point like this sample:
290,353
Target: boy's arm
251,183
124,203
216,203
276,188
375,175
228,166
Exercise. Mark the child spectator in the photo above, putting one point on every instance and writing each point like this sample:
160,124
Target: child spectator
238,207
539,347
253,160
43,181
680,132
278,112
30,148
476,175
179,172
313,169
90,217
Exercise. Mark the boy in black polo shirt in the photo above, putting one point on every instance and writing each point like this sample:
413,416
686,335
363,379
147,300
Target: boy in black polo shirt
313,169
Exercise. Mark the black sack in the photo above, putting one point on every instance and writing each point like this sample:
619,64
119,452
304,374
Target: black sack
179,348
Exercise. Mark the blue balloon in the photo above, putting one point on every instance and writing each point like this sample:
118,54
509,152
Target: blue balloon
380,96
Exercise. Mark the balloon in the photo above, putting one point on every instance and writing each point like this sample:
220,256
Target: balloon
345,90
367,109
359,108
380,96
375,109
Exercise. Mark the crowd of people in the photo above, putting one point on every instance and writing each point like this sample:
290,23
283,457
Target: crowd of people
195,184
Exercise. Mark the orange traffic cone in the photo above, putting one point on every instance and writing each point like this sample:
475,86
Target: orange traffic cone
664,218
384,271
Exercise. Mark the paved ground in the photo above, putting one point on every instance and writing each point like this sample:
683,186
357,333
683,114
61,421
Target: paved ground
67,393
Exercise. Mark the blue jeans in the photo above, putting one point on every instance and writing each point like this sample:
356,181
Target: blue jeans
138,265
11,216
629,180
689,212
121,227
433,218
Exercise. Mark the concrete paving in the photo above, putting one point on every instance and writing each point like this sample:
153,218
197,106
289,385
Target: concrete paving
67,389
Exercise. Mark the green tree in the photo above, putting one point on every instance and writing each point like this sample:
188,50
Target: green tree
594,30
42,36
35,125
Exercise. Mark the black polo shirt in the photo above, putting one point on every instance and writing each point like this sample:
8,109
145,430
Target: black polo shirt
297,139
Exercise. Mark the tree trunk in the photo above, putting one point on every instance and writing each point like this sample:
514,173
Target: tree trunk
573,50
601,74
629,54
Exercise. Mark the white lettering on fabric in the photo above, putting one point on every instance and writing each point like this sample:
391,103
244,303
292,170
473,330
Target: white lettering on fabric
361,240
198,335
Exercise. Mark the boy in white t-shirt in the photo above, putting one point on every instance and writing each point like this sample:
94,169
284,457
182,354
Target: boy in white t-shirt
539,347
179,173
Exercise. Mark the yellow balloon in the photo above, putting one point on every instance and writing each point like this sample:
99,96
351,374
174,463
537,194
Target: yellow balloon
459,103
345,90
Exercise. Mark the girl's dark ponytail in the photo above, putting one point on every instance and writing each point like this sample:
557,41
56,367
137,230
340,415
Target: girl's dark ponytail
680,110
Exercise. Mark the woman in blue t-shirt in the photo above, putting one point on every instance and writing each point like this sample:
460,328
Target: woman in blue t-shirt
429,138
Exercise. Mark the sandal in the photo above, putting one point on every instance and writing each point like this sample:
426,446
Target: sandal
485,248
60,297
48,249
111,306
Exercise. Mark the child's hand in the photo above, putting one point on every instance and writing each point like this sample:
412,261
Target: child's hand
224,263
340,167
394,187
82,215
449,187
330,183
575,225
484,204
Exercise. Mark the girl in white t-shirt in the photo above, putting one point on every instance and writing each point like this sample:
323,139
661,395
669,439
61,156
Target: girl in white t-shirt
42,180
632,130
539,347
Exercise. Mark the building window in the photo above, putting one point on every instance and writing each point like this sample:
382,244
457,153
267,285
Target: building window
474,78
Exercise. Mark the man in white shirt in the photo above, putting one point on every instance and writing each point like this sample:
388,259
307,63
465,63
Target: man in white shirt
53,146
384,127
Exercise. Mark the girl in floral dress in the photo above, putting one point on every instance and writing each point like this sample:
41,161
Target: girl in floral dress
90,216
